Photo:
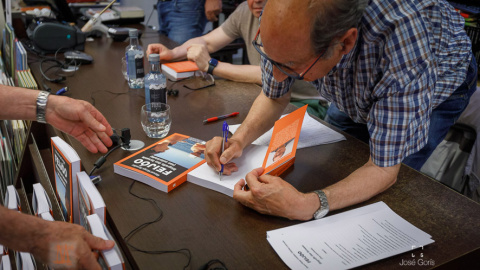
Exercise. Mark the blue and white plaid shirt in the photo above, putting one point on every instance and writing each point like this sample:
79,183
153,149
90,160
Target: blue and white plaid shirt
409,57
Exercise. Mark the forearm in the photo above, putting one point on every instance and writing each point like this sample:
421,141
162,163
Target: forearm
180,52
263,114
364,183
239,73
19,230
17,103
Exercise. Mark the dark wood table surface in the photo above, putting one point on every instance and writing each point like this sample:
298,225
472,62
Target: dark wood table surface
214,226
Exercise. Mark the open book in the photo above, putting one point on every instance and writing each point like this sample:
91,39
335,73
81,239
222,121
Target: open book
276,158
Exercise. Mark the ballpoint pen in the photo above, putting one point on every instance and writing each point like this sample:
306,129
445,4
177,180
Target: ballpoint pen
224,140
211,119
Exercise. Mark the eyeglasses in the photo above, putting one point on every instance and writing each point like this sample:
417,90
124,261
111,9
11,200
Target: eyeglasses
283,68
200,80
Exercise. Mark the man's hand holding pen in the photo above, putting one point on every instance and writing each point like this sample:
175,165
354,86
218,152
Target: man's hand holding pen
216,159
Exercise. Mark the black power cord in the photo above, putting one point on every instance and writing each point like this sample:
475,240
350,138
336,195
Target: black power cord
125,142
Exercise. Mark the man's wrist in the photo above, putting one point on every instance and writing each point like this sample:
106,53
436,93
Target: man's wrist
324,206
42,100
307,207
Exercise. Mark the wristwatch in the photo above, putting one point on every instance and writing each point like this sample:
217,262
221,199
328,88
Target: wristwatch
211,65
324,208
42,99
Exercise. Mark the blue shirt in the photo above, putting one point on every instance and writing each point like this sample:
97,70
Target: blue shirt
409,57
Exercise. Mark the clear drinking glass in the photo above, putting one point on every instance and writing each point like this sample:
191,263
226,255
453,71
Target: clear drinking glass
156,119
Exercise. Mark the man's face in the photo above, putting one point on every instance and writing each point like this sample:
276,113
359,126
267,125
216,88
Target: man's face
256,6
287,40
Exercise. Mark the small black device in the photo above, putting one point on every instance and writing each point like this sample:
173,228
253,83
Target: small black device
77,57
49,37
121,33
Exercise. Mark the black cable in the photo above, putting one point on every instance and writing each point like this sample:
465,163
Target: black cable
110,92
183,251
103,158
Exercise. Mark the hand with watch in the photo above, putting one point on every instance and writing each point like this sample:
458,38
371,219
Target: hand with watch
198,53
77,118
272,195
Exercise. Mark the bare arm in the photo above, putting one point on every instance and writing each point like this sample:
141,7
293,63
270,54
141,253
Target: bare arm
239,73
274,196
75,117
44,238
213,41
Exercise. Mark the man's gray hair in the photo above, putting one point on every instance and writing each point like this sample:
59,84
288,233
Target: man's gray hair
331,19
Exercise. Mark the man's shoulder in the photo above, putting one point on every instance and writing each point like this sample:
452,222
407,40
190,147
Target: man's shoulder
242,11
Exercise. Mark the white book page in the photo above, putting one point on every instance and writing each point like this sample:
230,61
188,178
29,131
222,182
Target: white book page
312,133
252,157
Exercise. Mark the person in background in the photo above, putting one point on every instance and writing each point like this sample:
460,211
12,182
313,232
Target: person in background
182,20
242,23
396,72
31,234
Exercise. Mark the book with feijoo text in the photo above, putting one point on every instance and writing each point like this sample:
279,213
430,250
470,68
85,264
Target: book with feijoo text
66,164
164,165
275,158
179,70
108,259
89,199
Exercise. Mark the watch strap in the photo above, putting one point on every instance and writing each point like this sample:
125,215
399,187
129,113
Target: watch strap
210,68
212,64
324,207
42,99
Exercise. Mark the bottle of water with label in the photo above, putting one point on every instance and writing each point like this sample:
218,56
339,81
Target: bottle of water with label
155,82
134,59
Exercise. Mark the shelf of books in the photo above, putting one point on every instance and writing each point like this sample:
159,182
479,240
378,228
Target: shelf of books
34,179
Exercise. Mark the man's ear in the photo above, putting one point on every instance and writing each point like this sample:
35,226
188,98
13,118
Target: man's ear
348,39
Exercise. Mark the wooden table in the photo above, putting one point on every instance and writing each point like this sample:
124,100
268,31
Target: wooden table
214,226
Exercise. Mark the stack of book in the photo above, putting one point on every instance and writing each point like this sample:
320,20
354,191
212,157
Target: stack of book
13,135
14,67
42,207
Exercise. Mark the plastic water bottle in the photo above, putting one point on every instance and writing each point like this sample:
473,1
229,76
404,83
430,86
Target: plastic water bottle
155,82
134,58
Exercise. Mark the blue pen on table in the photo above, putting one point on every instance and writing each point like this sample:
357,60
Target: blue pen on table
62,91
224,140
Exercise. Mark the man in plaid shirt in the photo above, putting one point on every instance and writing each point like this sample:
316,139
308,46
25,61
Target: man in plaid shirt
398,75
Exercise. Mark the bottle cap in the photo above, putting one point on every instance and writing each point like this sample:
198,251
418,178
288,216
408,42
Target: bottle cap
154,57
133,33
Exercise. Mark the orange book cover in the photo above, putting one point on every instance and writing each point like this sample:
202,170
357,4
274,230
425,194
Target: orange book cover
179,70
164,165
283,144
182,66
